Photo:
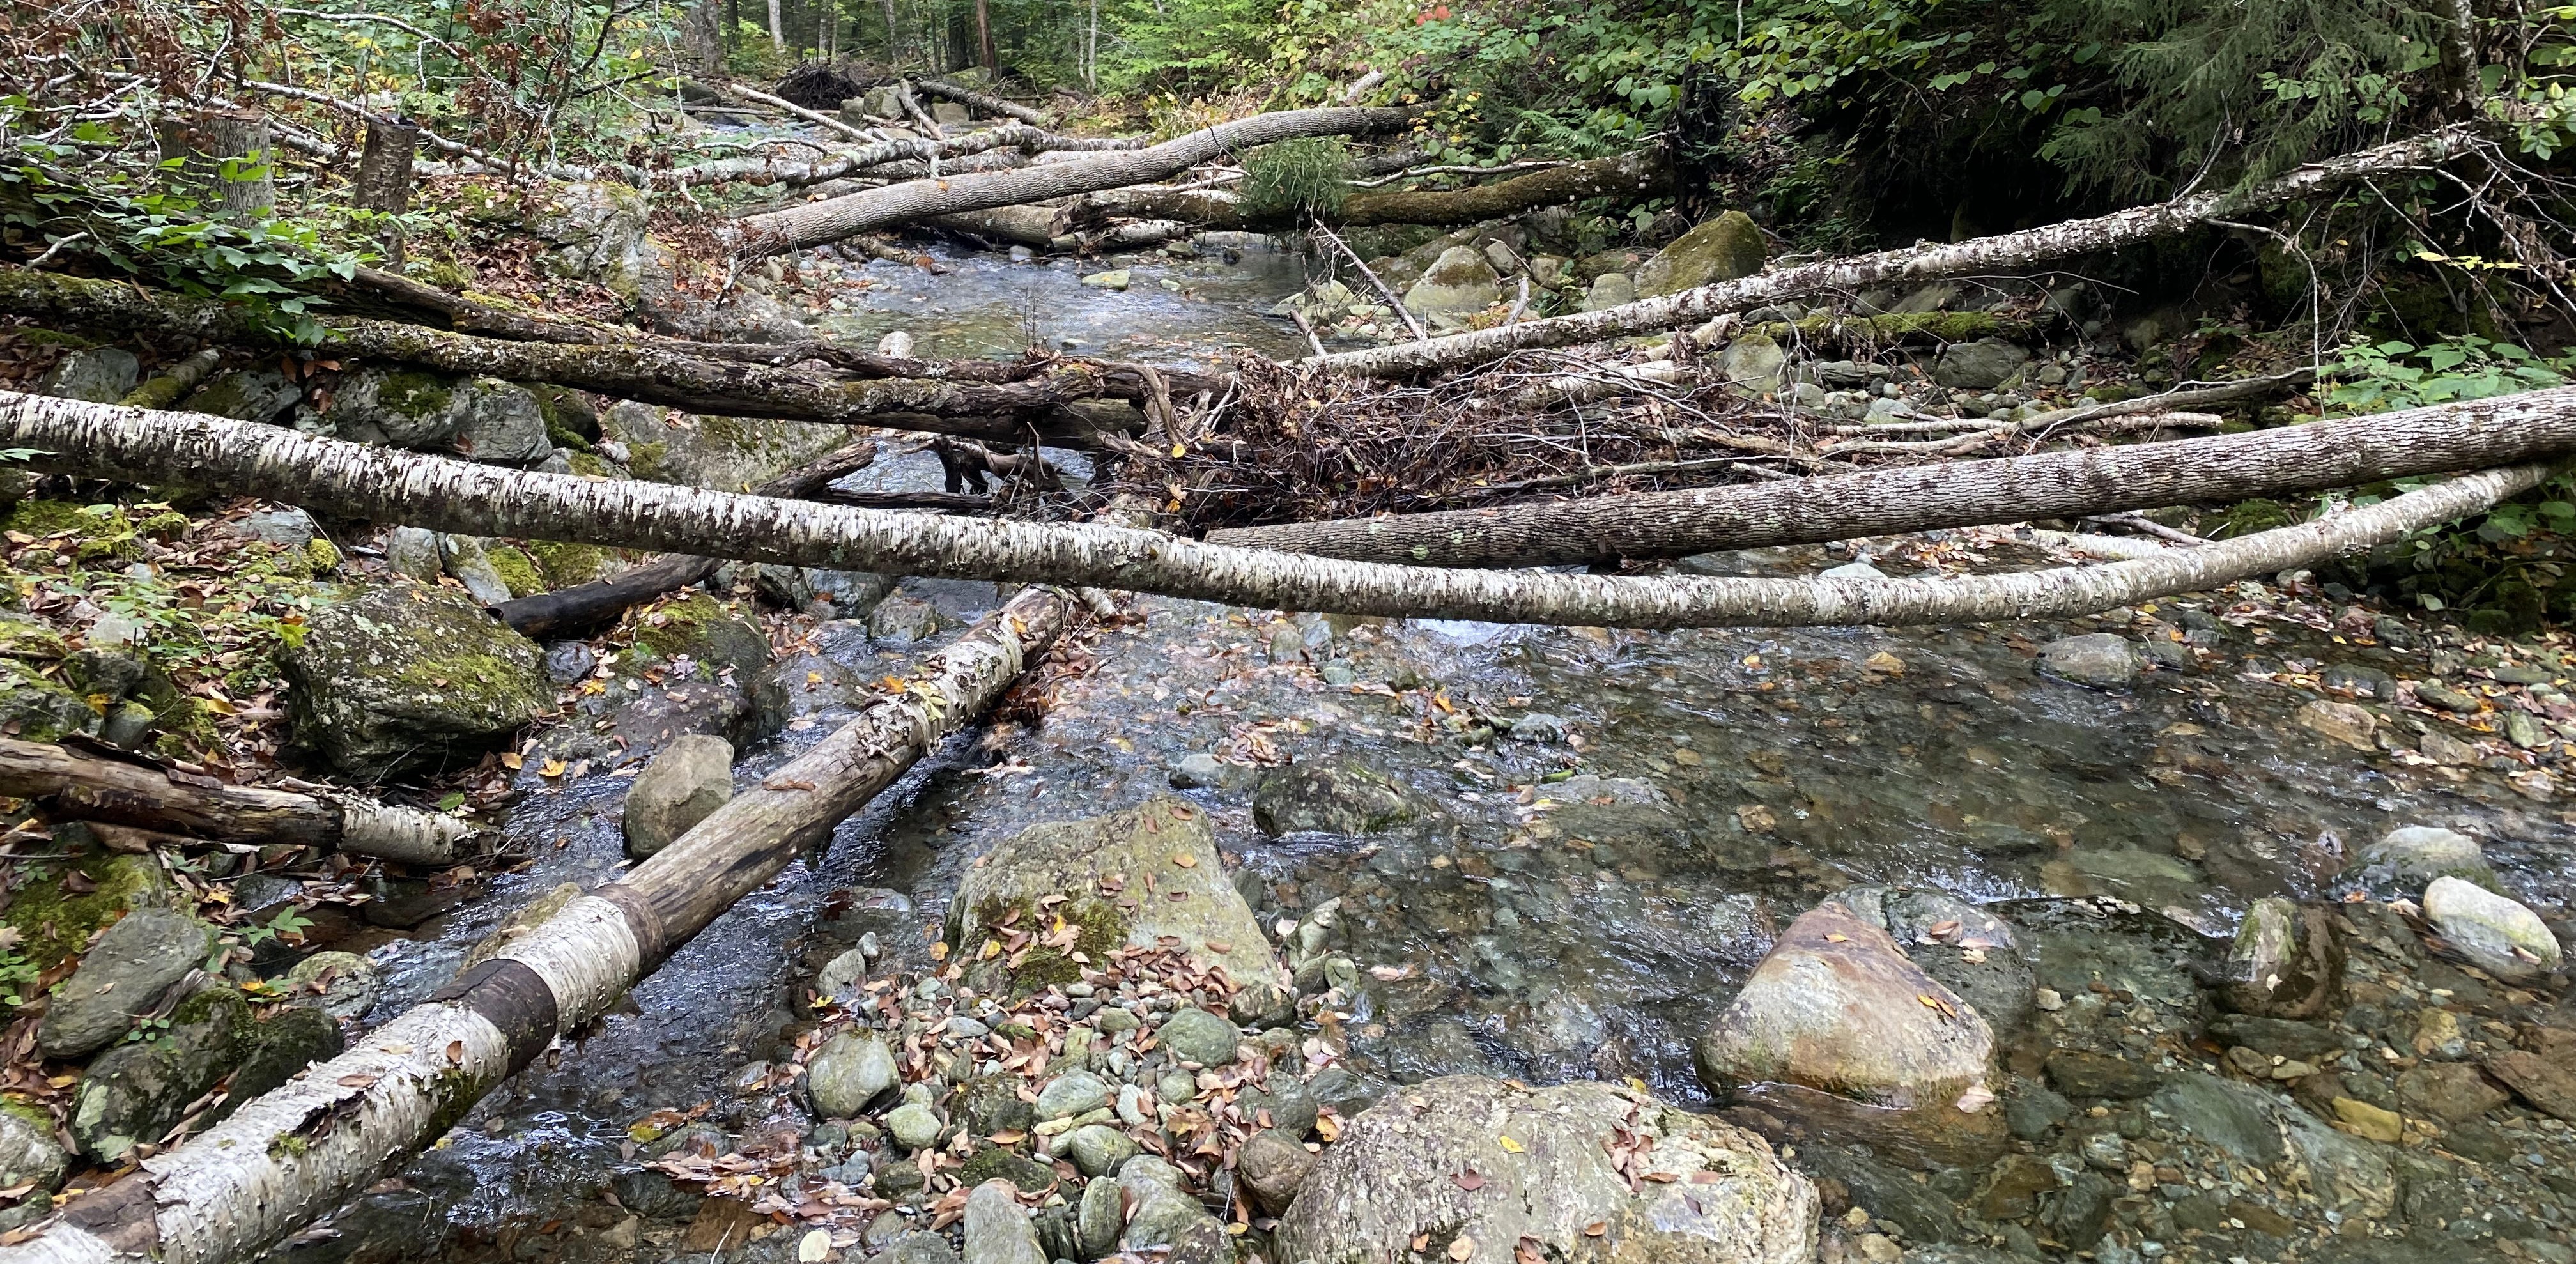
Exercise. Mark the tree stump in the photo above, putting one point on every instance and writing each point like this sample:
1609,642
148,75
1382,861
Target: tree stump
384,167
225,158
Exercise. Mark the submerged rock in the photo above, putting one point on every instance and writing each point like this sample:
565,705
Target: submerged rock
1192,900
2101,659
2496,934
406,676
1726,248
2285,962
1335,795
1546,1167
2413,855
126,973
682,786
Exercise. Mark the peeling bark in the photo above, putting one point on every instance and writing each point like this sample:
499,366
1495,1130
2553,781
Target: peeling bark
821,222
359,481
128,791
296,1153
2010,252
853,161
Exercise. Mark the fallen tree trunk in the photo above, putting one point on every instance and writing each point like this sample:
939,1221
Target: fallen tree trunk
599,602
982,102
649,372
359,481
300,1151
2009,252
819,222
74,785
875,153
2210,470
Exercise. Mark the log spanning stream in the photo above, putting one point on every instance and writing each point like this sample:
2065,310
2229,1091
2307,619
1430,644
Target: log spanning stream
1550,927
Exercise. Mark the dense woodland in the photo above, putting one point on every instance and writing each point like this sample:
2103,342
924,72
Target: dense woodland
500,483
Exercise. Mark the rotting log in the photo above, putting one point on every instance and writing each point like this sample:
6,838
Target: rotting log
2006,253
77,785
817,223
649,372
355,480
2215,469
296,1153
591,605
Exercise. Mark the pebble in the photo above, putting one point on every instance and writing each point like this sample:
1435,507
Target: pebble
2496,934
913,1126
1068,1095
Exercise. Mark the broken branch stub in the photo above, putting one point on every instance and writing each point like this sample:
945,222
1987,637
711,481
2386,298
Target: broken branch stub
359,481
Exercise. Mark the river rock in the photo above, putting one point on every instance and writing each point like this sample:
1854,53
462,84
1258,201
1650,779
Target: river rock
2414,855
1459,283
1113,279
2547,1083
407,676
96,375
848,1072
261,395
1838,1007
1982,365
1726,248
913,1126
726,454
1335,795
1195,1035
412,552
2285,962
481,418
1099,1219
1098,1149
1392,1179
135,1092
2452,1092
2496,934
2344,722
124,974
901,620
2101,659
1971,951
29,1155
1753,363
279,1047
1163,1214
1194,901
1274,1165
340,984
1610,289
682,786
997,1227
1066,1096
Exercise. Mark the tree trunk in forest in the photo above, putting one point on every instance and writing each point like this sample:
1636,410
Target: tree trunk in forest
303,1149
653,373
777,29
981,102
330,476
127,790
2010,252
702,40
818,223
894,38
225,161
984,42
384,177
586,606
2292,460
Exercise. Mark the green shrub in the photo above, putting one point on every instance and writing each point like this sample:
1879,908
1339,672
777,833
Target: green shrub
1297,177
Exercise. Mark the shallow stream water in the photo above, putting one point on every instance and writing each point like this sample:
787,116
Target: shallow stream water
1749,774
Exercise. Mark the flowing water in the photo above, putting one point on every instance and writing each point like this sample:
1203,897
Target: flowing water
1742,776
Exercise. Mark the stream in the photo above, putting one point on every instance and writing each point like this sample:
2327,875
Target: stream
1722,782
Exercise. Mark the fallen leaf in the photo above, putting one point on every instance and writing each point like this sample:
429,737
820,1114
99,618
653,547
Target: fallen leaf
1596,1228
1186,861
1510,1146
357,1081
1461,1247
1470,1180
553,768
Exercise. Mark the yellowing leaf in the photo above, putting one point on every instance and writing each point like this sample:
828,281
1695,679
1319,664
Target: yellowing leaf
1510,1146
553,768
1186,861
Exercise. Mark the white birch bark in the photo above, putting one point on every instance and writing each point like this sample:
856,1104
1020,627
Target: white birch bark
297,1153
357,481
2005,253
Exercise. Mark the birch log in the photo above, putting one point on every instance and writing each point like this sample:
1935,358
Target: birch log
817,223
2212,470
2009,252
297,1153
77,786
359,481
777,170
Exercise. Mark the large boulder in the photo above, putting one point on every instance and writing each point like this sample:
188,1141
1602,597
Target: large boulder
407,676
1099,867
593,230
726,454
261,394
1982,365
682,786
2496,934
1726,248
136,1092
483,418
1473,1167
1460,282
97,375
126,973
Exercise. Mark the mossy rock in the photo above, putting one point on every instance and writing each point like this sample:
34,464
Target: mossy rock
36,709
1192,900
55,921
592,465
406,676
1019,1169
571,421
2247,517
516,569
84,522
136,1092
1727,248
1887,330
261,394
705,631
287,1042
727,454
28,639
565,565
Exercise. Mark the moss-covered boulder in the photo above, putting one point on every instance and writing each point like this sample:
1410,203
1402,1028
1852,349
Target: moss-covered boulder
1100,867
484,418
286,1042
726,454
124,974
261,394
29,1155
593,230
407,676
1726,248
136,1092
1459,283
60,904
36,709
1336,795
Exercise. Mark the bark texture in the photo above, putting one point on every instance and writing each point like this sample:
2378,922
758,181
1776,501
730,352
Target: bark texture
300,1151
77,785
2209,470
359,481
384,175
206,142
817,223
2009,252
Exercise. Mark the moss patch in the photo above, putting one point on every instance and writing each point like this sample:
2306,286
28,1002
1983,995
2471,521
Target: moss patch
516,569
1019,1169
415,394
1099,928
706,631
568,564
57,922
591,464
